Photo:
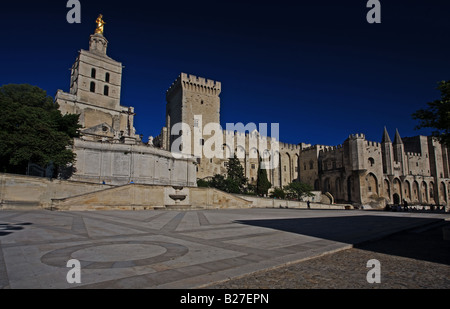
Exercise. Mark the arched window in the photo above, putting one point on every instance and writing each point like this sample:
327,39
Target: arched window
311,165
93,73
92,87
106,90
107,76
371,161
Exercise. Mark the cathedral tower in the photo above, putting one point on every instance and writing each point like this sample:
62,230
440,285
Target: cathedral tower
96,78
95,87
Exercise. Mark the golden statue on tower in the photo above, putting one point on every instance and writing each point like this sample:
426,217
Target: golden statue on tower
100,24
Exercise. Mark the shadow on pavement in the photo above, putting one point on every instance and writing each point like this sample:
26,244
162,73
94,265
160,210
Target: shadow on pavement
6,229
427,245
360,230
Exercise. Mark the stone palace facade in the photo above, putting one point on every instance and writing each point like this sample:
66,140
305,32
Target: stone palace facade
414,169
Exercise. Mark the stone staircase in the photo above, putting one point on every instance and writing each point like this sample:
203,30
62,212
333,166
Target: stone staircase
147,197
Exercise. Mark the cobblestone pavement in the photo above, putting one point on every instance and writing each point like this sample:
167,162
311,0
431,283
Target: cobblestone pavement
417,259
190,249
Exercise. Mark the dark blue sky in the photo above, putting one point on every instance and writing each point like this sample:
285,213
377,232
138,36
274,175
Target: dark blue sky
316,67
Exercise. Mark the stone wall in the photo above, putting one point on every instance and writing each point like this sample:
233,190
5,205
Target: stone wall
120,164
26,192
19,192
321,202
144,197
214,199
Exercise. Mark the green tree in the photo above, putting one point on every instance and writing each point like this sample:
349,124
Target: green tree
201,183
262,183
235,174
298,190
234,182
218,182
232,186
437,115
278,193
224,184
32,129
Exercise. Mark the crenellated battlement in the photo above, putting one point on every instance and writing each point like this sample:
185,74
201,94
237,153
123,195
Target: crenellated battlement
198,84
413,154
255,134
373,144
357,136
314,148
289,146
332,148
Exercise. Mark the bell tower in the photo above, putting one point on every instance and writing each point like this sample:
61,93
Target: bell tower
98,43
95,87
96,78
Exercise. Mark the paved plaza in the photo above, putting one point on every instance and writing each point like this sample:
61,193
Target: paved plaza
178,249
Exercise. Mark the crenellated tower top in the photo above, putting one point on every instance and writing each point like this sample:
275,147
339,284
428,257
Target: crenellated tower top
197,84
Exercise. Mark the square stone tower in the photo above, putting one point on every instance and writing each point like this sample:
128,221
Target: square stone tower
191,96
95,76
95,86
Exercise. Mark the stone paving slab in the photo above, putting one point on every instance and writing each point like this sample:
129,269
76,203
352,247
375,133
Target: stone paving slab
413,259
178,249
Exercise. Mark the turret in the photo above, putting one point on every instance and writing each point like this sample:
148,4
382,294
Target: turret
387,153
399,152
357,144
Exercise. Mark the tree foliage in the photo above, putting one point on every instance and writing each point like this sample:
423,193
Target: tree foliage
278,193
298,190
234,182
201,183
262,182
235,172
223,183
32,129
437,115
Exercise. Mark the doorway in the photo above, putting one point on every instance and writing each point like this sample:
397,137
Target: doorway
396,199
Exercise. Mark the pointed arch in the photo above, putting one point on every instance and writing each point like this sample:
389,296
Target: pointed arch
424,192
326,185
316,185
387,190
415,192
407,191
338,186
397,187
432,193
350,183
372,184
442,194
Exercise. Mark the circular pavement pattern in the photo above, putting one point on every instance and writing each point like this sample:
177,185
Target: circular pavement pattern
117,254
